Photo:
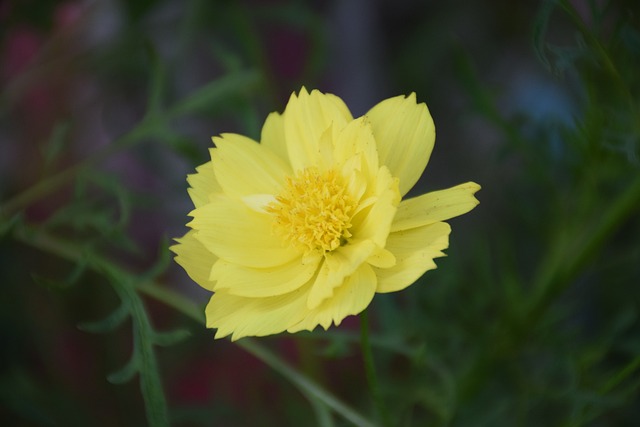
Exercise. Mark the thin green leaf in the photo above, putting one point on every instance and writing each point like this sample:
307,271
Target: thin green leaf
126,373
114,187
150,384
48,282
119,238
56,143
336,348
60,284
567,56
482,98
157,82
229,57
7,226
307,386
251,119
540,26
181,144
109,323
77,272
161,265
165,339
143,335
212,94
623,374
173,299
81,215
322,412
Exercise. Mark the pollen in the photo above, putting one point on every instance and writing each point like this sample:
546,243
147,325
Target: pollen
314,211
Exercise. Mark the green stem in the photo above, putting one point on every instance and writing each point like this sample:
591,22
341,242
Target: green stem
302,382
150,383
588,417
73,253
625,372
555,276
556,273
309,388
370,369
172,299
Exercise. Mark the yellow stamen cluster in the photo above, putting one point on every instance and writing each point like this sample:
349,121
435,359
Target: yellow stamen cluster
314,211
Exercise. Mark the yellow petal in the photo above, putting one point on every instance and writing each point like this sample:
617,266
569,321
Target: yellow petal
355,138
272,136
243,167
259,202
263,282
382,258
374,223
350,298
435,206
240,235
356,187
203,184
337,265
195,258
414,250
242,316
306,117
340,105
325,149
405,134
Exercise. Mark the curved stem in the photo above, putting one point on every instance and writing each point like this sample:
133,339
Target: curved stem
555,276
73,253
370,369
302,382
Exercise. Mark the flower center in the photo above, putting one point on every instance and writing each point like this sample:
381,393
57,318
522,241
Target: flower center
314,211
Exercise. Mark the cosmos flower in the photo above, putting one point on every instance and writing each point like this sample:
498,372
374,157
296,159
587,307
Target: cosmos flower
303,228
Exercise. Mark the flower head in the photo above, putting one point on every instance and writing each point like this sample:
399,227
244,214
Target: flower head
303,228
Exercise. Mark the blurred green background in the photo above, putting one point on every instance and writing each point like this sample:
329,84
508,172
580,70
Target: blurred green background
531,320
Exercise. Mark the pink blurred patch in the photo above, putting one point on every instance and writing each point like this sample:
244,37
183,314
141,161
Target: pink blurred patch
287,48
5,10
20,48
226,374
67,15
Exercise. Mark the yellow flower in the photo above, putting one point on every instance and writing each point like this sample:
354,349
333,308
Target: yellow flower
303,228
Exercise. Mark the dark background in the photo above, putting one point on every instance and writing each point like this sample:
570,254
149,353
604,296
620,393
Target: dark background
531,320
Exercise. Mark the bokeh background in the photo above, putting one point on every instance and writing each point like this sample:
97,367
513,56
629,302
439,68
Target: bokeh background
531,320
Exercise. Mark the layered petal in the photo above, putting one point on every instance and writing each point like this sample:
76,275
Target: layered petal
339,104
264,282
303,228
414,250
382,258
306,118
325,157
405,134
272,136
374,222
435,206
239,235
337,265
203,184
242,316
357,138
195,258
244,167
350,298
